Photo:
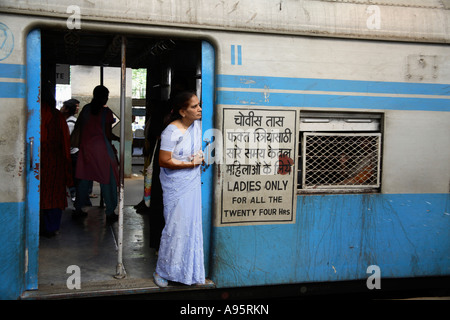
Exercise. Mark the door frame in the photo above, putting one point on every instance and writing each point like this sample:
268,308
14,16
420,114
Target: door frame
207,100
33,67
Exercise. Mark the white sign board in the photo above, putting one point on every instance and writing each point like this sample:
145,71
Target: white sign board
62,74
259,175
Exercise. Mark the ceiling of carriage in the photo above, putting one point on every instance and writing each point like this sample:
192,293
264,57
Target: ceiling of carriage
96,49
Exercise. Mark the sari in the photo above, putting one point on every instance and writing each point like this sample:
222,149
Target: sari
180,256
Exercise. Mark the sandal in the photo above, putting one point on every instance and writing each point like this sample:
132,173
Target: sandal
160,282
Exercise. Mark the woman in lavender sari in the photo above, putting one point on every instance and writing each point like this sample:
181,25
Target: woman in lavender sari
180,255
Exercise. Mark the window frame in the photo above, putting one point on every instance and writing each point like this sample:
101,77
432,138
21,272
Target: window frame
335,124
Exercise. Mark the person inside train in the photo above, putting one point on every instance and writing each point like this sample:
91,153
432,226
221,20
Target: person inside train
358,170
56,167
180,257
97,160
69,110
152,204
154,194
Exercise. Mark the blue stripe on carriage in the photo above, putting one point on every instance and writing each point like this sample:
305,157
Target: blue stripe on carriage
12,89
331,101
13,71
311,84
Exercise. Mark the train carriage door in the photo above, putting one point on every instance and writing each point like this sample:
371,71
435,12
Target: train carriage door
205,78
207,100
33,138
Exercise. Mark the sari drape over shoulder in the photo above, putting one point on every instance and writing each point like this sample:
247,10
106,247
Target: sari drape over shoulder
180,255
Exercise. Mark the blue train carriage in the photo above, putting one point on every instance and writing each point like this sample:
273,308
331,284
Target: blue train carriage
368,190
332,151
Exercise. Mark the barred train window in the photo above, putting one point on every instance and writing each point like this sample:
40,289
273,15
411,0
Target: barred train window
339,152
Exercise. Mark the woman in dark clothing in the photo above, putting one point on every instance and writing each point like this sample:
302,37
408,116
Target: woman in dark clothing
56,165
96,159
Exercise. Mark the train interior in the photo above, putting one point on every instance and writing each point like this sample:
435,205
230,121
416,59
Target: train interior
89,243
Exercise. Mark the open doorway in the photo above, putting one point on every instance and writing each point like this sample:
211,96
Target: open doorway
171,65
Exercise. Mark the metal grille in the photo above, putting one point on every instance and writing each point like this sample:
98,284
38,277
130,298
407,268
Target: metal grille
340,160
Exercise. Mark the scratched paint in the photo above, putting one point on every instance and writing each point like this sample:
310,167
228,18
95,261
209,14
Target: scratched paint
274,16
336,237
12,249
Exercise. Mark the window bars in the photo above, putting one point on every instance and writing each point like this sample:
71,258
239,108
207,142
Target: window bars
339,161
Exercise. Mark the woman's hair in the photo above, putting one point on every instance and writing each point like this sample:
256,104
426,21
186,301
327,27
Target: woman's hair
71,106
180,102
100,98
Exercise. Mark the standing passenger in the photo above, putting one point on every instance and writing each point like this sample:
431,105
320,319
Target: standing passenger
56,171
96,159
180,255
156,210
69,110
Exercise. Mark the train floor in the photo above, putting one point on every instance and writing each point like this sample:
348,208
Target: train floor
90,244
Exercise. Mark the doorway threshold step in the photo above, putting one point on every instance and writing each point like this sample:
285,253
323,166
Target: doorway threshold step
108,288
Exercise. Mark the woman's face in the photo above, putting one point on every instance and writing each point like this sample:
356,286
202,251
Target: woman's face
193,111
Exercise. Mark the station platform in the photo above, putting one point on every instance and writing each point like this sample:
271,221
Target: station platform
91,244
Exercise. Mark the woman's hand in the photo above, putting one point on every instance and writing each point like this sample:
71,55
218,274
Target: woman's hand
166,161
198,158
